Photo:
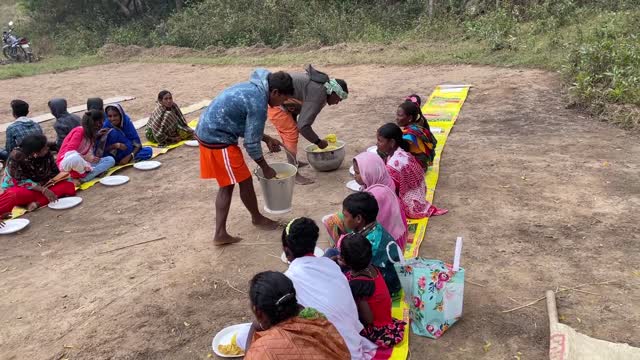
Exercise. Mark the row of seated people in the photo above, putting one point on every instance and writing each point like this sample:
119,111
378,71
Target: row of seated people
37,171
167,125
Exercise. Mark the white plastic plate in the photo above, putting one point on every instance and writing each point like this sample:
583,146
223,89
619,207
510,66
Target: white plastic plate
66,203
13,226
147,165
353,185
114,180
193,143
223,337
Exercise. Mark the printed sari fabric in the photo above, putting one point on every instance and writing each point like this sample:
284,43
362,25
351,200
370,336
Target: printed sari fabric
408,176
310,338
422,144
168,126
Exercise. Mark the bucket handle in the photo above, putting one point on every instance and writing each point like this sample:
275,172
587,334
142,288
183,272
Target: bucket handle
295,158
255,171
400,255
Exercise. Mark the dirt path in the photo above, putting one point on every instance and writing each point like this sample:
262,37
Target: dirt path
544,197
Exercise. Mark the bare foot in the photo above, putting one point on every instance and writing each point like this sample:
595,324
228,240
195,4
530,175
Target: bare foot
302,180
76,182
32,206
265,223
225,239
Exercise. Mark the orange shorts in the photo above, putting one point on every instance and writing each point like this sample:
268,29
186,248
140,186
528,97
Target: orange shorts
226,165
286,126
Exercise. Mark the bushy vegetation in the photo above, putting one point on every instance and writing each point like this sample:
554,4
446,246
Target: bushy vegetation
604,67
594,42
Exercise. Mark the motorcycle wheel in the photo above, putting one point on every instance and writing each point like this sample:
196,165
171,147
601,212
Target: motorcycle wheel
21,55
8,54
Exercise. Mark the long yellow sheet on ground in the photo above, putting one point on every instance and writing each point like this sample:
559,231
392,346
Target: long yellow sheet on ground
441,110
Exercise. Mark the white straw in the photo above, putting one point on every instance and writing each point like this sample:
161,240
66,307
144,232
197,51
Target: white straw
458,253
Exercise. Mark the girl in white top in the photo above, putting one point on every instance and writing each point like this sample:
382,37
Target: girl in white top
320,284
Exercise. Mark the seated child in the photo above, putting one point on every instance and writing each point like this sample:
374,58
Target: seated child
319,284
370,293
360,211
422,143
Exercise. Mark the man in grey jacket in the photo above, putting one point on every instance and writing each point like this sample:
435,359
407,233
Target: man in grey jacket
314,89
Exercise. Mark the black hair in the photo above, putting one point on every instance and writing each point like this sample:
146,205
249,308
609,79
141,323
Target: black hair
413,109
280,81
33,143
362,203
273,293
301,237
88,124
95,104
392,131
162,94
19,108
343,85
356,251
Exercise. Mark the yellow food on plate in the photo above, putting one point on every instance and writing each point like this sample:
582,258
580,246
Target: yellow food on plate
331,138
232,348
328,148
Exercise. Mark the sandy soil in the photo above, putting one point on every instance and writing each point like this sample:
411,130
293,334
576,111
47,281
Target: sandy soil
544,196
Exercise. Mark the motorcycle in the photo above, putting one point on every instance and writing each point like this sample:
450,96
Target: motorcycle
16,48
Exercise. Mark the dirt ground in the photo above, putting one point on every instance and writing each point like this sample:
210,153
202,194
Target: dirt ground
544,196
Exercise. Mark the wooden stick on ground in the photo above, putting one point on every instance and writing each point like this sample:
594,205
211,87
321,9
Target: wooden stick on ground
235,288
551,307
132,245
556,292
473,283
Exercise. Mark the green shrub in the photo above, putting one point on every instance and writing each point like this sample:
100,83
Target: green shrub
497,28
228,23
604,64
77,40
134,33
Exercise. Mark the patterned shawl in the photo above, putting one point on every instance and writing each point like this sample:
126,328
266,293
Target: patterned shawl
165,124
299,338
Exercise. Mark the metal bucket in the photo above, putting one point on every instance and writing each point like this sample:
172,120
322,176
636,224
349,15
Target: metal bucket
278,193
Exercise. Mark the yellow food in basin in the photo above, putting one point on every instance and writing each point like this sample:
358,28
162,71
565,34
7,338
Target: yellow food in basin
232,348
331,138
328,148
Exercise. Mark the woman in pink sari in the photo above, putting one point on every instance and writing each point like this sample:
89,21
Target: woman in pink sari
406,172
372,175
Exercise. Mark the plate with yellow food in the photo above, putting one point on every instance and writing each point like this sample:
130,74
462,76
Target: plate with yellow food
230,341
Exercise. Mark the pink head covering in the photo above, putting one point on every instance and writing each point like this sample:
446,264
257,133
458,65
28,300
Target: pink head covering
390,213
373,171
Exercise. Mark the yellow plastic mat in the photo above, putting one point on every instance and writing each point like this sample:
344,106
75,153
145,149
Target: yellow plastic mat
441,110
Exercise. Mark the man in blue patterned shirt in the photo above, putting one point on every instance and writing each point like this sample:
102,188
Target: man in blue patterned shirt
20,128
240,111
